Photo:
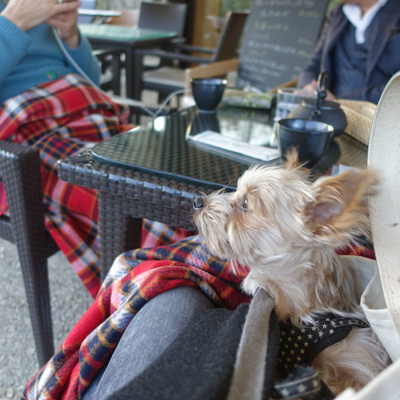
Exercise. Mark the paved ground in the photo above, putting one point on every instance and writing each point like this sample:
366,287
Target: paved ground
69,300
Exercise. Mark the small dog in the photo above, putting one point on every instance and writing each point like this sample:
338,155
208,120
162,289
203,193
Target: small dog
286,229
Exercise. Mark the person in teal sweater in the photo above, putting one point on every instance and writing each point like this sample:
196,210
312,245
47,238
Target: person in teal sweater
29,52
47,102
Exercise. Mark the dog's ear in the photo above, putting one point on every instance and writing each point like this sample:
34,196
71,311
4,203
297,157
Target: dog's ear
340,208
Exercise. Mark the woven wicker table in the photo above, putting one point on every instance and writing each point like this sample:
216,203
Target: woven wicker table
153,172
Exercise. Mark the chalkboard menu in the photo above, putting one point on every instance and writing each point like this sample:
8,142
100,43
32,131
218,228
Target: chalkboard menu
279,37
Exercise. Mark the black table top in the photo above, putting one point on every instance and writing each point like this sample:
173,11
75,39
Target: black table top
163,147
123,33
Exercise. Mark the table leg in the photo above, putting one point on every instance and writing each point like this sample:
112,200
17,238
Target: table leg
137,74
130,73
118,232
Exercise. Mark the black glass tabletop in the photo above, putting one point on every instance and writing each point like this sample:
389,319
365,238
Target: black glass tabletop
164,146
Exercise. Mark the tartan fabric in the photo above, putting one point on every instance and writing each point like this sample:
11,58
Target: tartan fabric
156,234
135,278
61,118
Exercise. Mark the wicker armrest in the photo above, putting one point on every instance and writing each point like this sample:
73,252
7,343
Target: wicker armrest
20,169
164,55
13,158
9,149
197,49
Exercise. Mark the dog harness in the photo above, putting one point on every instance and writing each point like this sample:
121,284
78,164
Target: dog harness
300,345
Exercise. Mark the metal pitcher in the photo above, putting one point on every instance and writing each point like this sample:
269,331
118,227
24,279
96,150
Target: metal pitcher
322,110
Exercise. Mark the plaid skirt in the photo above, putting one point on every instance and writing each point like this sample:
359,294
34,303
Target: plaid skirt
61,118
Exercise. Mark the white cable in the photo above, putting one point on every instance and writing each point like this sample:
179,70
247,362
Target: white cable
168,98
118,99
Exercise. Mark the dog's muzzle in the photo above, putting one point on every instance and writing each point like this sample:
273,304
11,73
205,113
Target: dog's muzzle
198,203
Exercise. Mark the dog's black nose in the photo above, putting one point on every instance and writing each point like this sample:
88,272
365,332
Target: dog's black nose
198,203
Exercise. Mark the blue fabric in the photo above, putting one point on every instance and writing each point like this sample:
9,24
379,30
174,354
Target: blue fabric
350,72
33,57
382,60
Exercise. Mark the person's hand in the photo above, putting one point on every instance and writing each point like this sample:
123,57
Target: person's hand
314,86
27,14
65,23
311,86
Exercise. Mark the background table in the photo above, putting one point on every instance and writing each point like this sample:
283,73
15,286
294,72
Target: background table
127,194
102,36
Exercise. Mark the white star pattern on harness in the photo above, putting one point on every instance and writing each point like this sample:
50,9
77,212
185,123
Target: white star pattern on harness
301,388
297,344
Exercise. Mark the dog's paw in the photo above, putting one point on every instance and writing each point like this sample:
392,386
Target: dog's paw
250,284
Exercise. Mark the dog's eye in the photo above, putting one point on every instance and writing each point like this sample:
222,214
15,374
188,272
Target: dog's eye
244,204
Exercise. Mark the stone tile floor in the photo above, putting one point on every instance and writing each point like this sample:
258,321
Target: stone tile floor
69,300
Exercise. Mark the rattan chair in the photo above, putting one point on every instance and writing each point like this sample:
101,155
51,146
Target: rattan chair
170,17
24,226
167,79
163,16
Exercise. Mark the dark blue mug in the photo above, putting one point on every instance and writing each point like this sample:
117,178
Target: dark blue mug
208,92
310,138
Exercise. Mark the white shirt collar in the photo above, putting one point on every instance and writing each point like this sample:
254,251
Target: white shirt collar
361,22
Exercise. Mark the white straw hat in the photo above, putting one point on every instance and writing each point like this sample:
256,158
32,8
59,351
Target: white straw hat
384,157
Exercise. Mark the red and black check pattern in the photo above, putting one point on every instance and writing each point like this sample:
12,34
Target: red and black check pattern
62,118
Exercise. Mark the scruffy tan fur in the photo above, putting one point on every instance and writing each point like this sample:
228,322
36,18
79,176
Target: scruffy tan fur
286,229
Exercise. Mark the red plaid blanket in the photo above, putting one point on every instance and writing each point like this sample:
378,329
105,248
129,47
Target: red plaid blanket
61,118
135,278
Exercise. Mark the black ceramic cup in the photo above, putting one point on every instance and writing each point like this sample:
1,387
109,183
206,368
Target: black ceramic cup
310,138
208,92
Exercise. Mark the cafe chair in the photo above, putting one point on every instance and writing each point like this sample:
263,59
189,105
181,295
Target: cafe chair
170,17
168,79
151,15
24,226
